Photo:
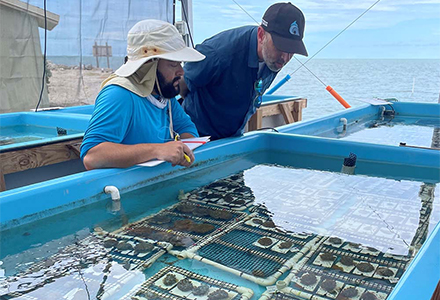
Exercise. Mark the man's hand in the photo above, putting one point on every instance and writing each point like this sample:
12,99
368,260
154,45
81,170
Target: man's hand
173,152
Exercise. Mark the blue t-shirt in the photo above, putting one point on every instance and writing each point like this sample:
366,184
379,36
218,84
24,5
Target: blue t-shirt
123,117
221,87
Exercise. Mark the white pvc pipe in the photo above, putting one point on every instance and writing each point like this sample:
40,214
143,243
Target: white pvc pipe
344,123
113,191
344,126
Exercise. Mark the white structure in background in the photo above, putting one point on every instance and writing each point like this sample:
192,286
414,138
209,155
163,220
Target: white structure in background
186,25
21,58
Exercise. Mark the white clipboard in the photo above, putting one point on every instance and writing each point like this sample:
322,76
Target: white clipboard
192,144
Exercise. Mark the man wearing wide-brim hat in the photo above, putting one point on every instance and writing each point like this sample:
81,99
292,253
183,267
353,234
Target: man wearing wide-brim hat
136,116
240,65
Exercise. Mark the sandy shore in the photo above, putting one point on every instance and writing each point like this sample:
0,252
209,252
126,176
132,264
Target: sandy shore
68,88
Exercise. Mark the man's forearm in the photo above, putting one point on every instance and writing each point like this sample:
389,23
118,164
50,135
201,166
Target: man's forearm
111,155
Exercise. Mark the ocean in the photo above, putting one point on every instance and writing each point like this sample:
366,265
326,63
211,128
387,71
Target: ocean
409,80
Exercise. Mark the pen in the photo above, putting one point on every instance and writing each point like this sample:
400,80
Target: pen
187,157
177,138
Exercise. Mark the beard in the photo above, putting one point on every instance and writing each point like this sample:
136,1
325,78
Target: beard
271,63
270,59
167,88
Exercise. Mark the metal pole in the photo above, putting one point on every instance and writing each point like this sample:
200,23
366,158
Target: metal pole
80,39
186,7
174,12
189,13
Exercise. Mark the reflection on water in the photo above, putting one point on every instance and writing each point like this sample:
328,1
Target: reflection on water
376,212
412,131
10,140
76,271
26,133
407,80
313,233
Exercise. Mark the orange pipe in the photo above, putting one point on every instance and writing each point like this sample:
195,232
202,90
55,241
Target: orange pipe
337,97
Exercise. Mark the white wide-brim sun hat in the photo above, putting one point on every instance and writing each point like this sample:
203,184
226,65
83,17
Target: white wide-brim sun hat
150,39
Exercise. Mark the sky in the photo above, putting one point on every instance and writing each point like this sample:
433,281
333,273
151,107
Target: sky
405,29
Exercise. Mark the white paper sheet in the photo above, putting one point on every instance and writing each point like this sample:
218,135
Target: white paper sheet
192,144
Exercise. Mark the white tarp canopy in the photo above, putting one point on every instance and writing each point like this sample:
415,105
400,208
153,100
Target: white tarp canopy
74,29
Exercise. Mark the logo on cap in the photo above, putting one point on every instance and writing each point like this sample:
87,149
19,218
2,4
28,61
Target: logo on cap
294,29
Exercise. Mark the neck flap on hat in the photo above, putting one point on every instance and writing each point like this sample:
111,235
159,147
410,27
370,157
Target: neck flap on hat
141,82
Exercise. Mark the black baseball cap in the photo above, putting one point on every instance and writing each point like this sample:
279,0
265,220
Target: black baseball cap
285,22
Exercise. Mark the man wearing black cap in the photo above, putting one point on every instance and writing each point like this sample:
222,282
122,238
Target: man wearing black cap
223,91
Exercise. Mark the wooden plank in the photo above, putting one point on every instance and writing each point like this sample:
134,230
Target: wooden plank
2,182
286,112
20,160
256,121
95,53
273,109
281,100
75,147
291,111
298,106
107,54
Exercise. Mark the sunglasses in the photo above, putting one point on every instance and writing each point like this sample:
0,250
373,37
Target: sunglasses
258,86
